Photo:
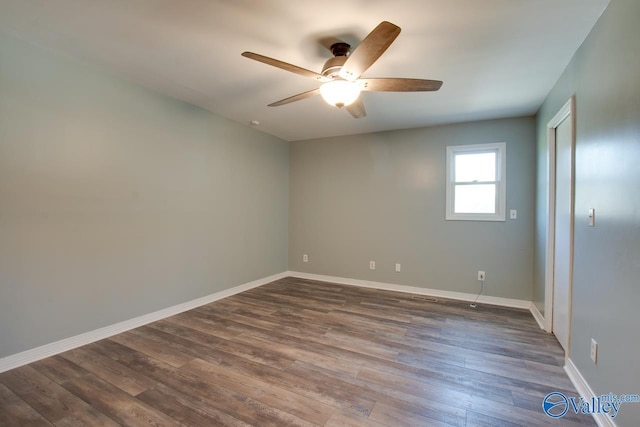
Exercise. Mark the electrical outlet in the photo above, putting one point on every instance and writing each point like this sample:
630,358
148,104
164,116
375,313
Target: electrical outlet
305,258
481,275
372,265
594,351
398,266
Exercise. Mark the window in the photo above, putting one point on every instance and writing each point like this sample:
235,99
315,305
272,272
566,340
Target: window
476,182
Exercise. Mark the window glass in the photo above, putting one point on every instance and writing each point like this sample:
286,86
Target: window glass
475,167
476,184
479,198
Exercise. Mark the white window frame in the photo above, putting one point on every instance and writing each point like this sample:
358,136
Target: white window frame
500,148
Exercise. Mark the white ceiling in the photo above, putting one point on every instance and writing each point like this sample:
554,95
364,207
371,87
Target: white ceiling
497,58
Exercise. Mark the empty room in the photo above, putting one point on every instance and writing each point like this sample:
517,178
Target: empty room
346,213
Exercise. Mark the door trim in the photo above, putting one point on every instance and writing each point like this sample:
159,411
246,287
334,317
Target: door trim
568,110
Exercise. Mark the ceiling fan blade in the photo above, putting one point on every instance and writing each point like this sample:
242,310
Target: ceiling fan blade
371,48
356,109
295,98
399,85
285,66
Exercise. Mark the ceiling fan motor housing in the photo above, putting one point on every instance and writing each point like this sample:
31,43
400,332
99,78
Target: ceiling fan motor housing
333,65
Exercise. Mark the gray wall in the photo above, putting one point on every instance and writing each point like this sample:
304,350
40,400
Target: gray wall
606,287
116,201
382,197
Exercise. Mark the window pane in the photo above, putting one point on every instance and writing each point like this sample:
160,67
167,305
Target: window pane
479,198
475,167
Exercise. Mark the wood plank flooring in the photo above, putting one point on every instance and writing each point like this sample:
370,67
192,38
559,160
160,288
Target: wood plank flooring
303,353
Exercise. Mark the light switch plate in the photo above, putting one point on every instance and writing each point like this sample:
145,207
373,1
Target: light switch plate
513,214
592,217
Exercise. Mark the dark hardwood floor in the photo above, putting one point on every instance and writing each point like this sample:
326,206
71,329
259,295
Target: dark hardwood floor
304,353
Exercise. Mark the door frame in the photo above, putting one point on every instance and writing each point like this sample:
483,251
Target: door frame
567,111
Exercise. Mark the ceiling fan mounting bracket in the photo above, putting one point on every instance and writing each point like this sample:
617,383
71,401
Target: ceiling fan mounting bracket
340,49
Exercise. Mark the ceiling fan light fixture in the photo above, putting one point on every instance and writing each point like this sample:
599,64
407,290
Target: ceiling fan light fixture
341,75
340,93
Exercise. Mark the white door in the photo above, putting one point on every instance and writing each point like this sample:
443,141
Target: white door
563,254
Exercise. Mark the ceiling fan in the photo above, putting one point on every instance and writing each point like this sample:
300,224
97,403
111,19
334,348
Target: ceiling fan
341,75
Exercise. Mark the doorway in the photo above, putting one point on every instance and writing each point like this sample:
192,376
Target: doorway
559,261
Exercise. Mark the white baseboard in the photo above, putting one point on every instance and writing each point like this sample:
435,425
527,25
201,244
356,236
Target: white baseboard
47,350
504,302
536,315
584,390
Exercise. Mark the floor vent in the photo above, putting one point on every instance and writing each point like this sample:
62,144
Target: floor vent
424,298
